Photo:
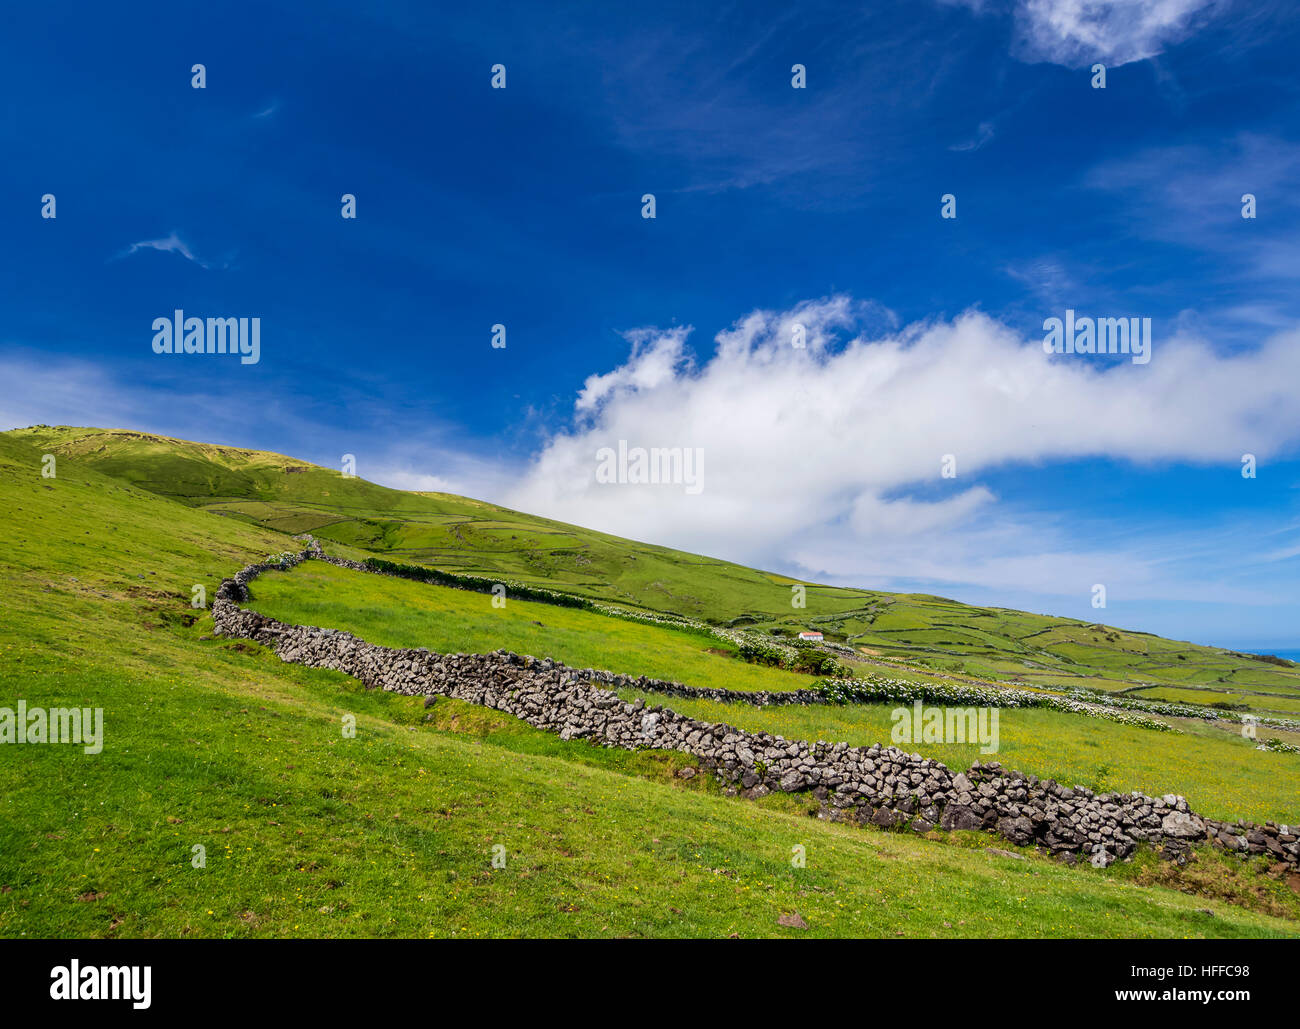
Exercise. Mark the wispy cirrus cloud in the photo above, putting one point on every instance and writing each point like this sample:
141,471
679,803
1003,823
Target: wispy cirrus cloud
983,135
169,244
1047,278
1191,196
1188,189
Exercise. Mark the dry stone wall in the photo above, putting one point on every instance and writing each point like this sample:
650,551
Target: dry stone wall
880,786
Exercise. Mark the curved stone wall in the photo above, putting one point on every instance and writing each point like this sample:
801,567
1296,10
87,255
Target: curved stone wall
881,786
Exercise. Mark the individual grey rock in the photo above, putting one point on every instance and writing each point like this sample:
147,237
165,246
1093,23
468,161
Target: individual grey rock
1018,830
958,817
1182,826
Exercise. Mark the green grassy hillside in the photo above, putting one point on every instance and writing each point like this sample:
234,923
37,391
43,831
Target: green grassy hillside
458,534
399,612
910,633
217,744
439,529
1222,774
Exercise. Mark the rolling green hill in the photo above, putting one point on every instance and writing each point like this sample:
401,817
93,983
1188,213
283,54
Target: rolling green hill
459,534
216,744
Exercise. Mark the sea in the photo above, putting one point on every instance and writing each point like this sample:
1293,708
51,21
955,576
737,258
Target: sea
1290,655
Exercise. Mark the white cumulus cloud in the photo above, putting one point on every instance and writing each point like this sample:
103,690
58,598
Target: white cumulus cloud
828,458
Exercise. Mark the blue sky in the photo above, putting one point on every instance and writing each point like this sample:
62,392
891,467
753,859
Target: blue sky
522,206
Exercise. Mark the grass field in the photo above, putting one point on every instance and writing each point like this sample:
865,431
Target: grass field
218,744
1220,772
1222,775
399,612
1281,704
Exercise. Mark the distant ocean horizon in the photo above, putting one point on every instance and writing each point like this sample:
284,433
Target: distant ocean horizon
1290,655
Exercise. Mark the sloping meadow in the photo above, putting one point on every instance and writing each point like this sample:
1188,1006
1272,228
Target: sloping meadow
1222,773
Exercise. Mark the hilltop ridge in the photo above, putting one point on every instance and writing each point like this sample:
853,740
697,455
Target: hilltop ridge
461,534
